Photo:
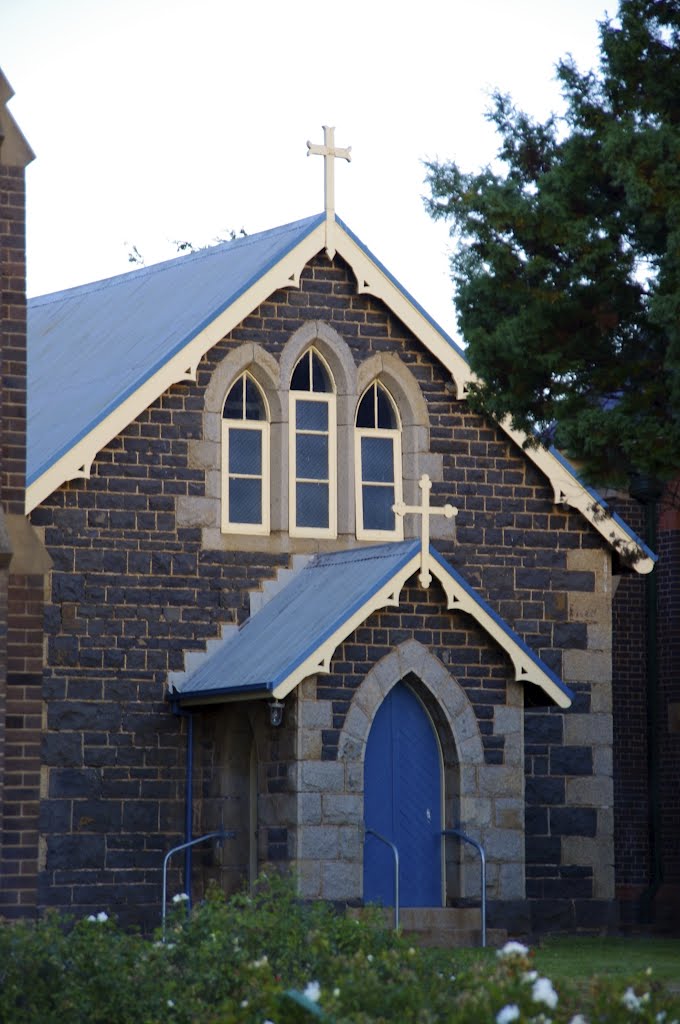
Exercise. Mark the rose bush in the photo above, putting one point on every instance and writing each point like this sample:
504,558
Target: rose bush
268,957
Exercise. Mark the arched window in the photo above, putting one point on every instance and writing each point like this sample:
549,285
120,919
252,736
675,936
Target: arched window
378,466
312,447
245,459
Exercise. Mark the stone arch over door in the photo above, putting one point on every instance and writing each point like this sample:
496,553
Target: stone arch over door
487,799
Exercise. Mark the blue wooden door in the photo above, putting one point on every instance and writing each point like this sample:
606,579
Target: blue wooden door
402,801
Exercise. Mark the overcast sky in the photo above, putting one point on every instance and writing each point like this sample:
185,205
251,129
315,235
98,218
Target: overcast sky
155,120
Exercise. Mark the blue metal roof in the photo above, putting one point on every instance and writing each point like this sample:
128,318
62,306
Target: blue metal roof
312,608
298,620
91,347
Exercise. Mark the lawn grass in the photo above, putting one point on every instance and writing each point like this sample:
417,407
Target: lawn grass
577,959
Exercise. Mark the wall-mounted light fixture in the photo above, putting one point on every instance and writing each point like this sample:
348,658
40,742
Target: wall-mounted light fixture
275,712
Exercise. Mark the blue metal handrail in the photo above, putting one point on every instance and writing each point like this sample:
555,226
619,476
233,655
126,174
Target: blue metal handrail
395,851
458,832
176,849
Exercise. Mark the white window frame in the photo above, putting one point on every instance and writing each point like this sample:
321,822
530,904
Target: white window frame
359,483
327,398
263,428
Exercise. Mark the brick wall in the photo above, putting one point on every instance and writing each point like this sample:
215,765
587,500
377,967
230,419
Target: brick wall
630,736
669,696
13,342
632,779
4,560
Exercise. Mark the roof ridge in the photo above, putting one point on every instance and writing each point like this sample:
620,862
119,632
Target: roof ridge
140,273
363,554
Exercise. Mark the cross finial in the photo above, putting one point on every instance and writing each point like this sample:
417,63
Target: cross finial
425,510
329,154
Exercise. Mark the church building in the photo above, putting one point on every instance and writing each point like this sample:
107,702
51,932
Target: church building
275,581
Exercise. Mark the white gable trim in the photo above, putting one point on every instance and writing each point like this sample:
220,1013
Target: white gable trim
373,280
319,661
569,491
527,670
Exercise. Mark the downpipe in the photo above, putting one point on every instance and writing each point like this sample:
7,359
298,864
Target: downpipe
188,843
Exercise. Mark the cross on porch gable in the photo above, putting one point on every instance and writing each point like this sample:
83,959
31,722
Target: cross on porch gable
425,510
329,153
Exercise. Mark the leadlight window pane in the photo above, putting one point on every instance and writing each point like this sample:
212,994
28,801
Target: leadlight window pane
300,379
312,457
233,406
245,500
366,410
310,374
254,403
311,416
312,505
377,459
377,508
245,452
387,419
320,379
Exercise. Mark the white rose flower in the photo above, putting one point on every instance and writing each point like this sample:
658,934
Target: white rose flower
512,949
313,991
630,1000
543,992
508,1014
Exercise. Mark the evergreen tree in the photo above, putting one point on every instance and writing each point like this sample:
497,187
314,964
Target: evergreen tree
567,260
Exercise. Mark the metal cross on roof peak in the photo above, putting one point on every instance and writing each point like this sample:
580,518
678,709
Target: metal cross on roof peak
425,510
329,153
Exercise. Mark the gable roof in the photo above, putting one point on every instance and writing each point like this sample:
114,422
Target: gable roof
92,348
296,634
102,353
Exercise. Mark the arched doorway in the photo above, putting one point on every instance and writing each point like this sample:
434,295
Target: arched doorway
403,802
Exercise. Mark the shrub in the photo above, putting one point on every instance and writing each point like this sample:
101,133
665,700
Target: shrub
267,956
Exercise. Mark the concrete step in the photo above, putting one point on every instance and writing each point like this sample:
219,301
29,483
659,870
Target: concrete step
445,927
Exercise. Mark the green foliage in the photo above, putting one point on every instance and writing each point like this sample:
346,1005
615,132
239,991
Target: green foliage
567,260
270,957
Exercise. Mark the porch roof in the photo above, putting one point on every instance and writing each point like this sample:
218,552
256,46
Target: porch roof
296,633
